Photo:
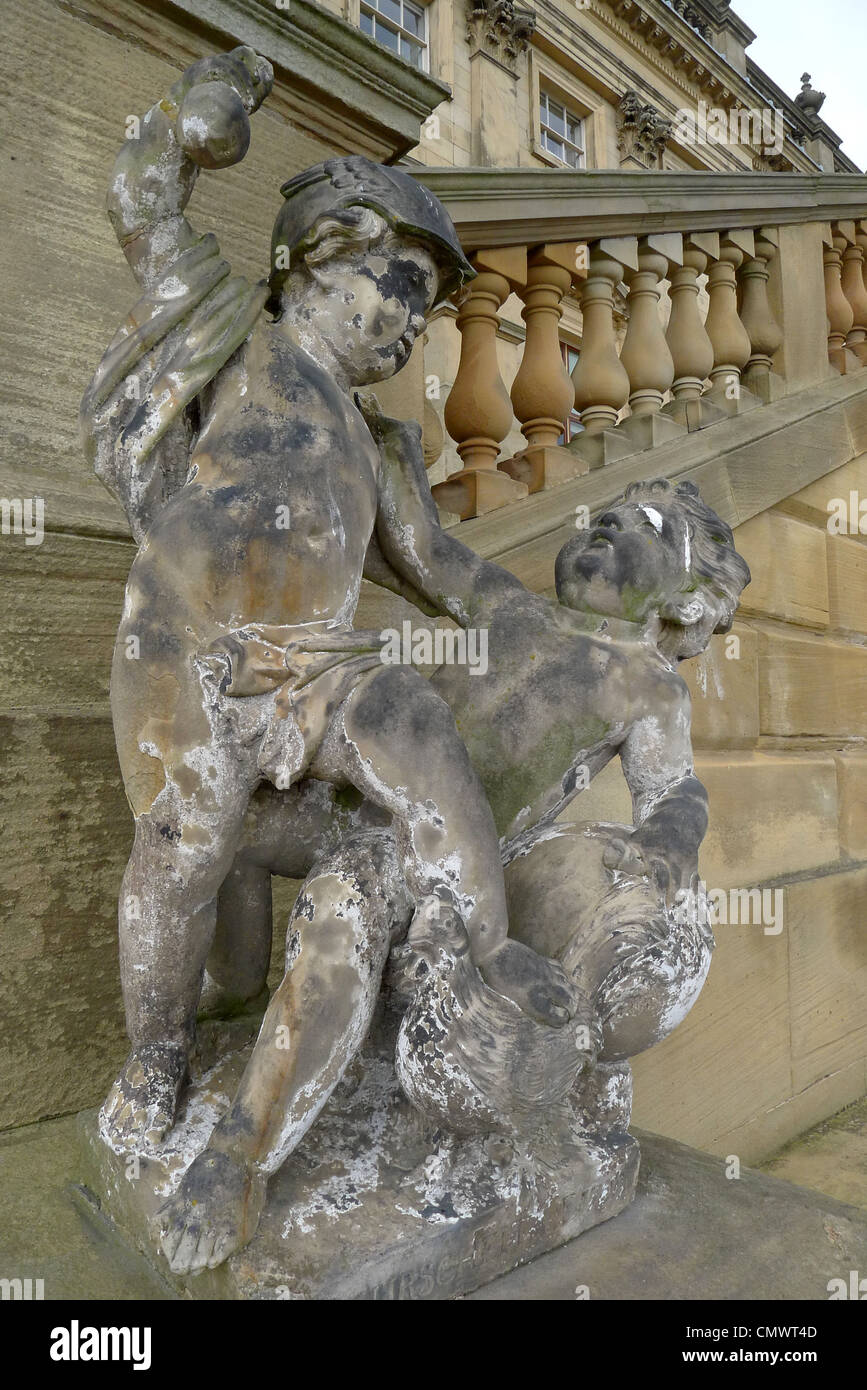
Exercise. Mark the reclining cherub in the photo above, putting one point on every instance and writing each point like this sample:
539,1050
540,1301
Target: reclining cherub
236,660
572,681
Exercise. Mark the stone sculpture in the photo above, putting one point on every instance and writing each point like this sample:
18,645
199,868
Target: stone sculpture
501,967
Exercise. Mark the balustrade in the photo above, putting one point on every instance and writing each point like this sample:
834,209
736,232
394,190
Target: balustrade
660,381
854,288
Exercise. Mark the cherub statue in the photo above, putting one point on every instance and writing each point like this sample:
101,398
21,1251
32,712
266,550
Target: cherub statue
571,683
222,416
259,732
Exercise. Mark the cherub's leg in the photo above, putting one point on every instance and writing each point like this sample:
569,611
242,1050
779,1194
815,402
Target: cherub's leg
286,833
237,969
184,845
340,932
395,739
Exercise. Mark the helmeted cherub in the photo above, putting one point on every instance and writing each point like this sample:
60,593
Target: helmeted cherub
222,416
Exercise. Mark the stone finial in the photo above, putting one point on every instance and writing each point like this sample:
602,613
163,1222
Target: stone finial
501,29
808,98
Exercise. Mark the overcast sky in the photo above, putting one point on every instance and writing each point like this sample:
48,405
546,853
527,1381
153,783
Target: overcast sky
827,39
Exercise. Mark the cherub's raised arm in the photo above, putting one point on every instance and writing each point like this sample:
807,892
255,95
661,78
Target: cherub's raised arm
202,123
193,314
444,570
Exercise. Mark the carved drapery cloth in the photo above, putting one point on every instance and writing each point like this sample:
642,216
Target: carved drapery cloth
173,342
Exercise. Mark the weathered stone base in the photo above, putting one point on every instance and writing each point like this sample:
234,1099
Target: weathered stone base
376,1203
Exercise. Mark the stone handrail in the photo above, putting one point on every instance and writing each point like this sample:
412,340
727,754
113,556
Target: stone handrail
520,207
784,256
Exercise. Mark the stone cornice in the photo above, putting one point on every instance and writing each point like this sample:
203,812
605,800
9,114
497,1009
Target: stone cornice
517,207
559,34
714,15
331,79
681,51
683,46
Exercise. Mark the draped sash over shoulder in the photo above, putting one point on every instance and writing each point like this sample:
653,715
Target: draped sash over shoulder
172,343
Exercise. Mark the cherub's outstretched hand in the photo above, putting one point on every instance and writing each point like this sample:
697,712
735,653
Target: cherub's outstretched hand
536,984
630,856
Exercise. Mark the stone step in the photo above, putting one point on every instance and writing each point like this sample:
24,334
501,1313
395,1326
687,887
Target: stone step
692,1232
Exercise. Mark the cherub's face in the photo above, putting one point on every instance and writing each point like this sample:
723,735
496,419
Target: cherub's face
634,560
374,304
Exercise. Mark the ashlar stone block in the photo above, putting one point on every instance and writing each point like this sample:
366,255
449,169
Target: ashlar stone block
787,562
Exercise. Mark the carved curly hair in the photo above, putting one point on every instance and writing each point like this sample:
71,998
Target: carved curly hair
719,571
345,230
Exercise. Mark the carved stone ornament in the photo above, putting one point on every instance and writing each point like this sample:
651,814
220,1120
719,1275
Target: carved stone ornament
501,29
440,1084
691,15
642,133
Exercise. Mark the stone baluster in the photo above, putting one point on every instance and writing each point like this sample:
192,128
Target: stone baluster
861,240
601,381
764,332
853,287
730,339
646,354
691,348
840,316
542,392
478,413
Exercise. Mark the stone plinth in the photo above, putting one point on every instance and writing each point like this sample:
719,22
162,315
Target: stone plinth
376,1203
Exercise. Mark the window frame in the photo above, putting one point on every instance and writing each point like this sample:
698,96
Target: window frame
570,117
388,23
580,100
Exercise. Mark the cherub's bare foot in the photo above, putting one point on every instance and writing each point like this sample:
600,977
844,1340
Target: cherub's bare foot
536,984
140,1107
214,1212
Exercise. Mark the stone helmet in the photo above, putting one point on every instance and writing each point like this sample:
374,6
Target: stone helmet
354,181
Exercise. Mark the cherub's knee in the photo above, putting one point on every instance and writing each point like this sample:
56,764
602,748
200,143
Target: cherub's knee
357,895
